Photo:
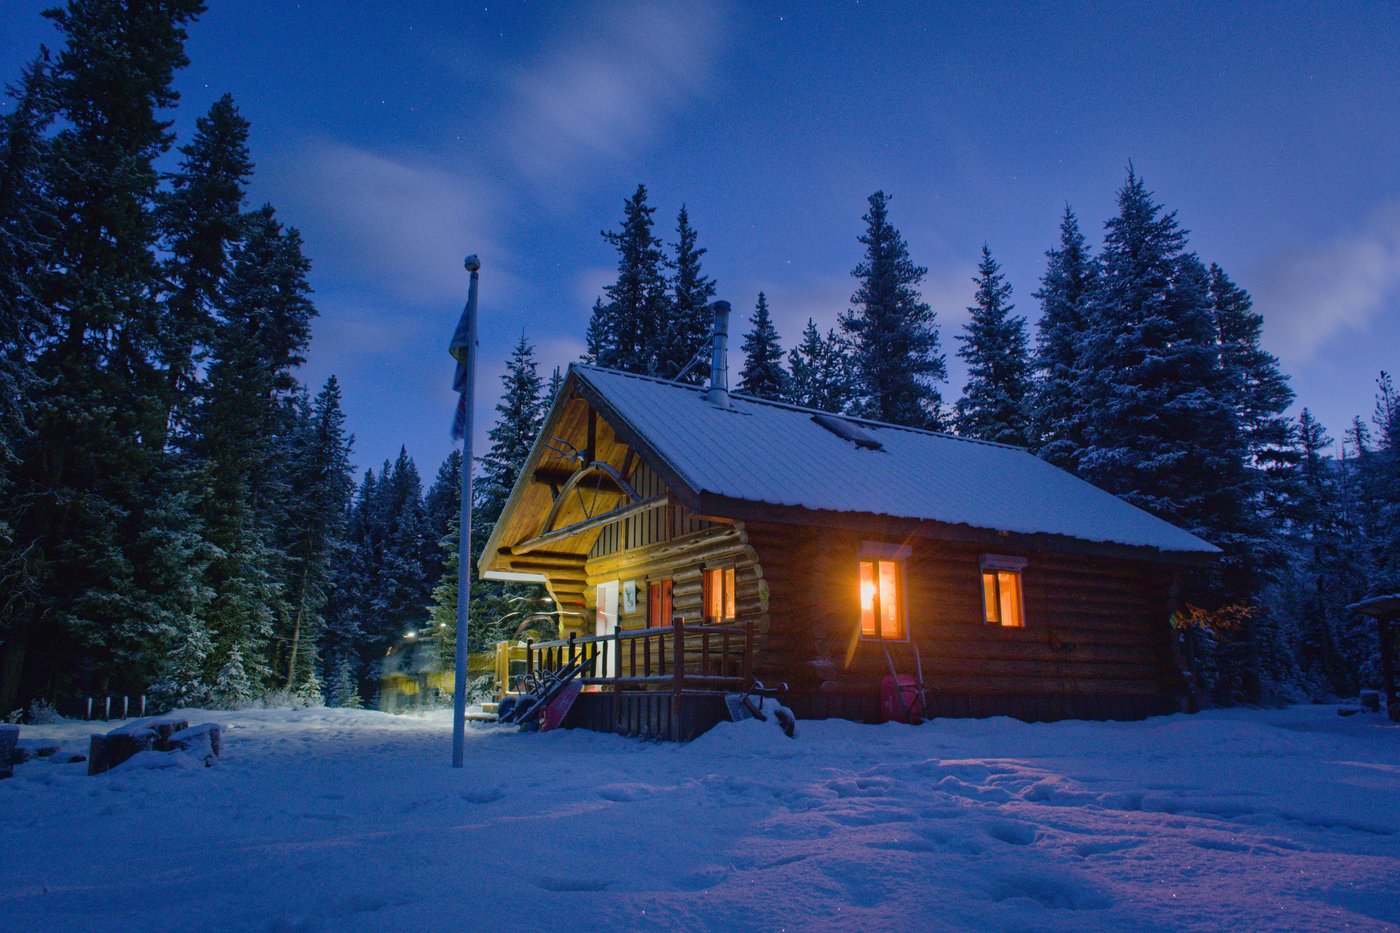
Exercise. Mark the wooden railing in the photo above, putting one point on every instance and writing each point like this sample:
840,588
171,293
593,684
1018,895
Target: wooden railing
687,657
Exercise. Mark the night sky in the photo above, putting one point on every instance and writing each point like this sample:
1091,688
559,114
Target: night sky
400,136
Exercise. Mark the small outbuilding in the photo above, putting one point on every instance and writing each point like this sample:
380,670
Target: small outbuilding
695,539
1386,611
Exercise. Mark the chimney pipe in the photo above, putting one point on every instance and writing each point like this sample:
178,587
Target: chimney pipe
718,393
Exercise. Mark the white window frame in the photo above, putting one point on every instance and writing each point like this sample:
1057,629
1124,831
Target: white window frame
899,554
1004,563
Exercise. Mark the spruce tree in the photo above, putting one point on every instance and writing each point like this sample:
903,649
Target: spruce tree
819,372
1159,428
692,293
763,375
319,484
1258,395
892,331
97,499
994,401
202,217
1066,298
26,231
630,329
242,434
519,414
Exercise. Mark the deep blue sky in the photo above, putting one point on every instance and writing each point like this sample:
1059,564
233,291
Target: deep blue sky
400,136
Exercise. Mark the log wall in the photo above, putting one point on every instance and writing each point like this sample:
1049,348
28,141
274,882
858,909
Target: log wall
683,560
1094,628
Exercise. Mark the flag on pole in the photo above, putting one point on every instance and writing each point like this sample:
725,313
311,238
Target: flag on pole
461,380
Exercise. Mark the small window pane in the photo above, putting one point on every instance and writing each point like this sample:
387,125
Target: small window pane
889,600
729,612
1010,585
714,596
989,598
867,599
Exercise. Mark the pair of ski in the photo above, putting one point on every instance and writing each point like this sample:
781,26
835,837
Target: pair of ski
553,701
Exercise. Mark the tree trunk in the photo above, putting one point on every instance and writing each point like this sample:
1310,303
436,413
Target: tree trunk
296,629
11,667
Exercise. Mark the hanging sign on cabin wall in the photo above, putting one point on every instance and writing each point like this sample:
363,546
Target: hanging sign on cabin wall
629,596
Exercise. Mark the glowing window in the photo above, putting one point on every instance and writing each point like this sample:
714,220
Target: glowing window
719,594
1001,597
659,603
881,599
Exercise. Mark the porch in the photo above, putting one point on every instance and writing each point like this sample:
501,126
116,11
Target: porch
663,683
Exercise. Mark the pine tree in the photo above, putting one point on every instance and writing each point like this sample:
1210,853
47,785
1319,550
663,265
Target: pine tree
994,401
202,217
892,331
692,293
1066,298
630,329
95,491
763,375
819,372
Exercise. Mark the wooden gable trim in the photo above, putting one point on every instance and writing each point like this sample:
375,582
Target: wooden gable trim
680,487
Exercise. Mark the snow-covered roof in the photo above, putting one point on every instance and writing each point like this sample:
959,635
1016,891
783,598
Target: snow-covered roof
775,454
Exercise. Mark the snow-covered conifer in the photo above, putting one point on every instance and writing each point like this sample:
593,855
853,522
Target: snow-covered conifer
763,375
994,401
893,333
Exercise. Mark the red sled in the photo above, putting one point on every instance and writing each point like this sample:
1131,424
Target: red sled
891,707
559,707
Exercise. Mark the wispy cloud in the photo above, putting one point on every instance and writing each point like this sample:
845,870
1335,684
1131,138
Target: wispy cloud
1312,294
601,90
401,225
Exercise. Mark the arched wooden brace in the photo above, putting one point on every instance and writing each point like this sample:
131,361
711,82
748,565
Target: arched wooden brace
577,477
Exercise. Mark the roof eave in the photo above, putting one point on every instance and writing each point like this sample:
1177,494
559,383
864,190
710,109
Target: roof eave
716,506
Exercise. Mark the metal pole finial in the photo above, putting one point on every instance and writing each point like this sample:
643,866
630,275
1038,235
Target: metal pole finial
473,263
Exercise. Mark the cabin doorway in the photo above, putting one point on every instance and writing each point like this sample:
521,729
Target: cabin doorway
606,622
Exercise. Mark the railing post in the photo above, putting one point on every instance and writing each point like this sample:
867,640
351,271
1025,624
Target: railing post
529,661
678,679
748,652
572,635
617,657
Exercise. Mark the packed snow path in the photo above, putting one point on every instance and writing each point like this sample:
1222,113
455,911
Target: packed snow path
338,819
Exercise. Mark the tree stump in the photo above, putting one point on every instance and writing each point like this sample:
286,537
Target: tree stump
204,739
9,742
108,751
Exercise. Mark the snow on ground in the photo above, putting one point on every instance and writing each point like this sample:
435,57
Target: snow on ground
347,820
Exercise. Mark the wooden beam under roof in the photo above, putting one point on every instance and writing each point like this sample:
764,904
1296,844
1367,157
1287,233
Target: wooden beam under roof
589,524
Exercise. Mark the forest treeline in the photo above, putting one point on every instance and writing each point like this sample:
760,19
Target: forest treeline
179,513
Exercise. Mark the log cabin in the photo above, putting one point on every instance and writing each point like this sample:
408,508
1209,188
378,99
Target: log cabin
695,539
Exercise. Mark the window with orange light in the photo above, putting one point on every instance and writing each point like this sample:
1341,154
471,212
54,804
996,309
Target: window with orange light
719,594
882,599
1001,592
659,603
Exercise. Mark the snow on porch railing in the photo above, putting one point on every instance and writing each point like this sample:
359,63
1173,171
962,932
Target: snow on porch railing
689,657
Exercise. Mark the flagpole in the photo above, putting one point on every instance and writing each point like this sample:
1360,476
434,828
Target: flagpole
464,544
